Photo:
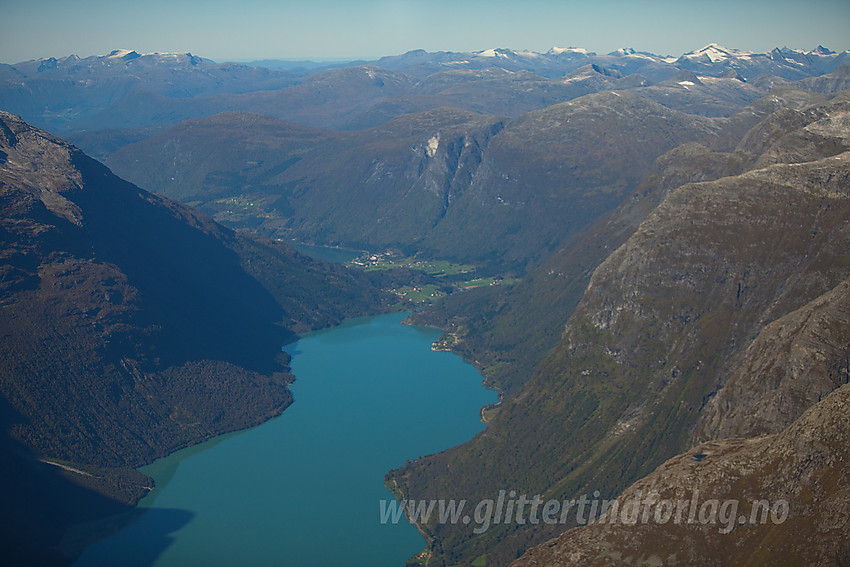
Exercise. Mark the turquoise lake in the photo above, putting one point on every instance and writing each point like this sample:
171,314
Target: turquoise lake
305,488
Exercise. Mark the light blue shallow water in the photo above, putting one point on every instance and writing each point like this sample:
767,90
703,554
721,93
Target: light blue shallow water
305,488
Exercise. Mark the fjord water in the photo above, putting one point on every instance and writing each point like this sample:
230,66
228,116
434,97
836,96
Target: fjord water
328,253
305,488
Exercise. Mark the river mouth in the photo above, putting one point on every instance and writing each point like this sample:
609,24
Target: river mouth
306,488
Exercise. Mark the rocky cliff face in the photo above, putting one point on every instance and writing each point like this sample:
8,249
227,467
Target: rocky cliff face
793,363
781,499
550,173
664,323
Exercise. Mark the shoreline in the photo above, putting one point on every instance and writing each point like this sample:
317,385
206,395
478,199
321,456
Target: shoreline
107,527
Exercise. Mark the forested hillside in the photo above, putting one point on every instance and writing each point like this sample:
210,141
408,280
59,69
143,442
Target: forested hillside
132,326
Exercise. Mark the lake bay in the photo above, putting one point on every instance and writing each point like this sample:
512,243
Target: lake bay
305,488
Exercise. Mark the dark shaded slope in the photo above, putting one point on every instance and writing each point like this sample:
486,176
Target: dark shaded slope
133,326
227,155
39,501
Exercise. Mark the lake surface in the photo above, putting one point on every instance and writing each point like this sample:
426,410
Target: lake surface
305,488
328,253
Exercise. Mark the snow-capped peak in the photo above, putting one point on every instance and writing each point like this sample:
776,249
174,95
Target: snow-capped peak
495,52
716,53
819,51
131,54
121,53
630,52
562,50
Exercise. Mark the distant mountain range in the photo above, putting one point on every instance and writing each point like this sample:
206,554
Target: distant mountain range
712,59
127,89
157,119
785,62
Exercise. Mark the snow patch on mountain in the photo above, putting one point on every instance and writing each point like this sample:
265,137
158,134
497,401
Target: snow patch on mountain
576,50
493,53
120,53
717,54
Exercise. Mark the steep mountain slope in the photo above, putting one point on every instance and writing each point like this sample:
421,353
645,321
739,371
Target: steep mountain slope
447,183
507,331
794,363
664,321
800,474
133,326
223,156
551,172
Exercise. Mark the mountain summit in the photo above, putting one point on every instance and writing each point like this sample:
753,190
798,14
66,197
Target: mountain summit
714,53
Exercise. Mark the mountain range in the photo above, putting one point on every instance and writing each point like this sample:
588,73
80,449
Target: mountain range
125,89
501,123
675,228
713,58
515,188
420,180
683,290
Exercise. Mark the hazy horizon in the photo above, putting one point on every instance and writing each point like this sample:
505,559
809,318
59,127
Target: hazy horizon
337,30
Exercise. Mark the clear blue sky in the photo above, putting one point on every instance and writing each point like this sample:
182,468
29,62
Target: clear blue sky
341,29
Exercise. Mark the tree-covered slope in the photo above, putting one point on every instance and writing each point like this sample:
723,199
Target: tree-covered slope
132,325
